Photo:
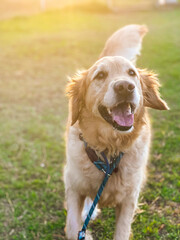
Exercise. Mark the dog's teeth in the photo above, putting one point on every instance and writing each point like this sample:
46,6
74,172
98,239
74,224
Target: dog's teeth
109,110
132,108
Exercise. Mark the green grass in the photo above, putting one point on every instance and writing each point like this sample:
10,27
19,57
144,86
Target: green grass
37,53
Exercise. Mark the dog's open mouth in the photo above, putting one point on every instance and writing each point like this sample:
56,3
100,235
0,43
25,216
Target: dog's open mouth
120,116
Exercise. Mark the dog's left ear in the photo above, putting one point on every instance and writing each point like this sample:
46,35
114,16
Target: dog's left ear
76,90
150,87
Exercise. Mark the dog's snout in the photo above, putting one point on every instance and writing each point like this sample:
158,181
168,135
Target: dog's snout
123,87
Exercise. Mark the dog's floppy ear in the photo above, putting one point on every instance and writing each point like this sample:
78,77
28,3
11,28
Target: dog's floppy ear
75,90
150,87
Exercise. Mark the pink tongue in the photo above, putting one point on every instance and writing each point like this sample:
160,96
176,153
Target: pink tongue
122,115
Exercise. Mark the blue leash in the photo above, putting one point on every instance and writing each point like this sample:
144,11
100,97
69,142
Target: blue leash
108,170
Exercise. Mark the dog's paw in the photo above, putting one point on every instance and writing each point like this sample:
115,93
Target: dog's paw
88,236
87,205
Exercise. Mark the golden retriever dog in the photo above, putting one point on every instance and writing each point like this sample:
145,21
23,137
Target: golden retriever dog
108,108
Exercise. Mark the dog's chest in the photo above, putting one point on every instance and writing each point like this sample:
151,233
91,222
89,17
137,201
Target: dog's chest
115,190
86,178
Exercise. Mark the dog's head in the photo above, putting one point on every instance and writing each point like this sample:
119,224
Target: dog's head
114,91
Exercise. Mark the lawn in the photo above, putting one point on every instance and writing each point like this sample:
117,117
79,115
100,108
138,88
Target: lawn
37,54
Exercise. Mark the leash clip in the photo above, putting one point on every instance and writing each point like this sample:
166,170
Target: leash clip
81,235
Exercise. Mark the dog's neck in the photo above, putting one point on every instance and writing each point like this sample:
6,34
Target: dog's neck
101,135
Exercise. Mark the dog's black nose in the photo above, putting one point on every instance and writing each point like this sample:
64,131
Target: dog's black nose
123,87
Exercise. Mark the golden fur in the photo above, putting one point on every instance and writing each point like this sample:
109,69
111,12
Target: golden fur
81,177
125,42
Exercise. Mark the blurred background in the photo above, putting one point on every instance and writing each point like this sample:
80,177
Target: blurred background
41,43
10,8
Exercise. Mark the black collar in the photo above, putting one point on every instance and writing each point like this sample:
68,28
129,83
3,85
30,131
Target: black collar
97,160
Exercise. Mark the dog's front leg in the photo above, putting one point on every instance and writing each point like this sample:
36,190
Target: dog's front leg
124,216
74,208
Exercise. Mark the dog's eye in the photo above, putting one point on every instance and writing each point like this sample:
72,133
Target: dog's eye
101,75
131,72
